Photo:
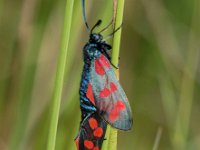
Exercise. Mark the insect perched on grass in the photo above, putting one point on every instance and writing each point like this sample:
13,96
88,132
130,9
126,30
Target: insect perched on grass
102,100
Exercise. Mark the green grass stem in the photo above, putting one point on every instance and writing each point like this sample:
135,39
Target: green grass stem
187,89
60,75
117,35
111,134
157,139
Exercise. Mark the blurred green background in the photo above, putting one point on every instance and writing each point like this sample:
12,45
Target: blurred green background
159,70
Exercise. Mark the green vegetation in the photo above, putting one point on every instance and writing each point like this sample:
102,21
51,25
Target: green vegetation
159,70
111,134
59,78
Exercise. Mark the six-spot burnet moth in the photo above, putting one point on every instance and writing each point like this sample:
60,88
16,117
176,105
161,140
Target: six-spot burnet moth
102,99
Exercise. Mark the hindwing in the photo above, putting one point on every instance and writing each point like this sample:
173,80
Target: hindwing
92,132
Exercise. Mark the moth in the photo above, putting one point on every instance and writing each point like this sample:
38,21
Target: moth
102,99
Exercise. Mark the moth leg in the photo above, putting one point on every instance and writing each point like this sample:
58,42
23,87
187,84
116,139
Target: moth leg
116,67
106,54
109,58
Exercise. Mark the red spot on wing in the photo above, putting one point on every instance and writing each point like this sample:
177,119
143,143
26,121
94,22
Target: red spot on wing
114,115
77,143
93,123
95,148
88,144
113,87
89,94
120,105
98,132
104,61
104,93
98,67
115,112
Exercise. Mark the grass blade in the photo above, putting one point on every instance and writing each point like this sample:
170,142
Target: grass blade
60,75
111,134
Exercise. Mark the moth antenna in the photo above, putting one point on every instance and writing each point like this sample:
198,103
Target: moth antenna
84,16
96,25
104,29
111,35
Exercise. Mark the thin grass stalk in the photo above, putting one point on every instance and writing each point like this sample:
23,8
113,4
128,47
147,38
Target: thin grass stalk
182,127
111,134
168,100
70,106
157,139
117,35
60,75
67,113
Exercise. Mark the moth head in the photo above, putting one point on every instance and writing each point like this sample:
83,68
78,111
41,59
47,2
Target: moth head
96,38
